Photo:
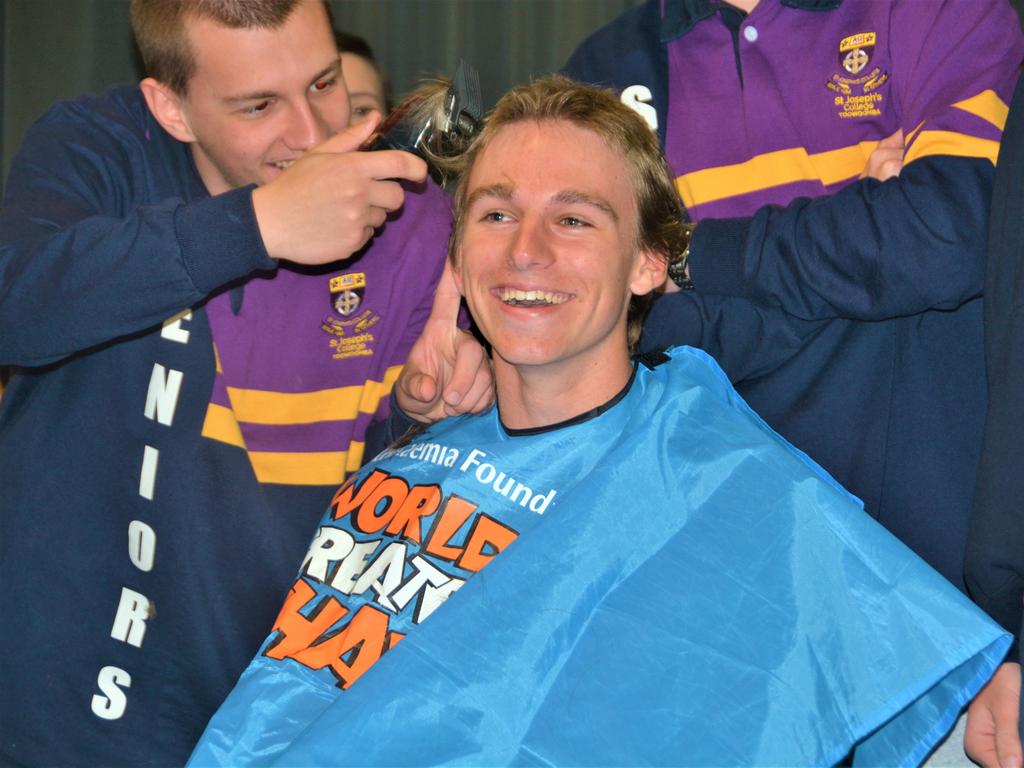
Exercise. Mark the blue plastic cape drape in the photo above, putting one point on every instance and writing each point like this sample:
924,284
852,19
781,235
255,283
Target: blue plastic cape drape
698,593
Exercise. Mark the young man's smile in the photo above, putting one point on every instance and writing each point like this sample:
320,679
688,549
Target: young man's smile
532,297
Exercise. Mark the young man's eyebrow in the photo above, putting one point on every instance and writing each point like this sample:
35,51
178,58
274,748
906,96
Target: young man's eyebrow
572,196
499,191
254,96
330,69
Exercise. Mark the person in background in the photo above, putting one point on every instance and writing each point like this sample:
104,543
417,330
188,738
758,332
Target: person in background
368,89
206,293
995,552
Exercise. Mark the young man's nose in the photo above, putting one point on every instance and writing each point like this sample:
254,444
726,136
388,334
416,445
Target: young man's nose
530,248
307,128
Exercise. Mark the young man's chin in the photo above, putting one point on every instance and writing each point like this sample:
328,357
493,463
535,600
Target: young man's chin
532,358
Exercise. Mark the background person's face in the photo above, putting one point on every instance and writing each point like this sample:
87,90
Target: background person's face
548,260
261,98
365,88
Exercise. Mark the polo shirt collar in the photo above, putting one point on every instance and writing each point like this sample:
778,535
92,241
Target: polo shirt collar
680,16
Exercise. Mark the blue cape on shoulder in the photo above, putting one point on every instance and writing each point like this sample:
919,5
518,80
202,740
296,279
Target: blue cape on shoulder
698,593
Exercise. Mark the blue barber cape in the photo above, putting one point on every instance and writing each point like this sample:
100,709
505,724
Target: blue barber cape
686,588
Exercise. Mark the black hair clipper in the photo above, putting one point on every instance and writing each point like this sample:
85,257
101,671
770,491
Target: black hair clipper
432,123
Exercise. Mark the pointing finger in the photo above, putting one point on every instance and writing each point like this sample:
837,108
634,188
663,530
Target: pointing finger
352,137
447,298
393,164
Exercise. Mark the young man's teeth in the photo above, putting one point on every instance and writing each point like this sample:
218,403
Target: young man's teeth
284,164
533,298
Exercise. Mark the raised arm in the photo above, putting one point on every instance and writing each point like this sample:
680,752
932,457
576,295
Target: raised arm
81,263
86,256
746,339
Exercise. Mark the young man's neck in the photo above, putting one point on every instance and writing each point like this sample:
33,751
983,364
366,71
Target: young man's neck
529,398
743,5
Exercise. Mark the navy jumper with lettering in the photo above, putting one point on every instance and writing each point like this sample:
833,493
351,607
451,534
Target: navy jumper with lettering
168,437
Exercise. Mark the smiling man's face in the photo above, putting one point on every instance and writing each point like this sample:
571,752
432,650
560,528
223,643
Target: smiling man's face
548,258
260,98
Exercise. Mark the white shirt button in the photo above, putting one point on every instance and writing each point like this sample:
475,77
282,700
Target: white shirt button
750,33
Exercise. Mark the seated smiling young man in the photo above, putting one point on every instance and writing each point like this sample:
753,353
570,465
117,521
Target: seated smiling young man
667,581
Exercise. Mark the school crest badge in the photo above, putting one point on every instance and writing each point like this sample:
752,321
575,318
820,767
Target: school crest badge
858,77
855,52
347,292
350,334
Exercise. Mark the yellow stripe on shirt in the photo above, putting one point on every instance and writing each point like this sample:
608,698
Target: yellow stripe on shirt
988,106
256,406
312,468
786,166
841,164
220,425
951,143
773,169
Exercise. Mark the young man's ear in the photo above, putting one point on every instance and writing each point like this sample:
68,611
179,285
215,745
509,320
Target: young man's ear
166,107
649,272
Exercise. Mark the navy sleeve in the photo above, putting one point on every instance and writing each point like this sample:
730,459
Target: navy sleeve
746,339
872,251
82,262
994,568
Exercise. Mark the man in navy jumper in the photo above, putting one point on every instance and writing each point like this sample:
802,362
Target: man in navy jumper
995,547
202,330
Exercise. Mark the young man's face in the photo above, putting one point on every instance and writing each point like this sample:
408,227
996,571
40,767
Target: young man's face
548,259
259,98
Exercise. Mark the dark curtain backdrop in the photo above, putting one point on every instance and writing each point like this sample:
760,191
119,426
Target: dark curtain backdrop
56,49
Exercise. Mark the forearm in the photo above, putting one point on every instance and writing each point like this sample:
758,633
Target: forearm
873,251
67,285
746,339
994,565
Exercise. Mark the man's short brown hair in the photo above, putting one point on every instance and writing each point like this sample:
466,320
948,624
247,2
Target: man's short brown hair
660,222
159,27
